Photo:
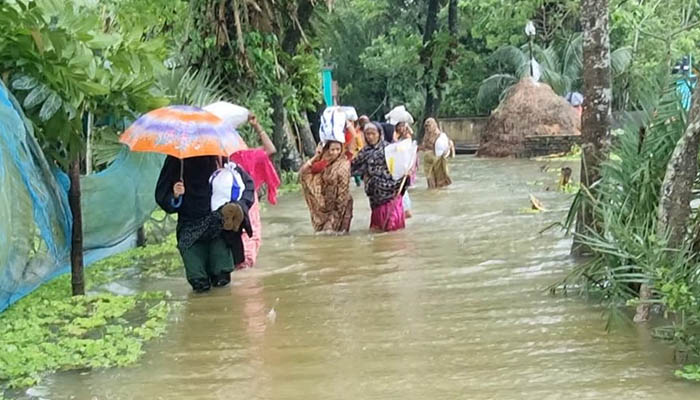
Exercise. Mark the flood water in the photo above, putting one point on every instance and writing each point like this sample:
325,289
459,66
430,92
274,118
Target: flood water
454,307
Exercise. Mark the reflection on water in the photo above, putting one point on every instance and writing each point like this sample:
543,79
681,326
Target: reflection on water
452,307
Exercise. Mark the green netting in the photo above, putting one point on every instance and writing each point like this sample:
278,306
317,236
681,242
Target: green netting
35,220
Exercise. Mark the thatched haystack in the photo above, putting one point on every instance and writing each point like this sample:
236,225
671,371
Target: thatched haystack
529,109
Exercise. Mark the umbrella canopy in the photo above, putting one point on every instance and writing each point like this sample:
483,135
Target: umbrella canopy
182,132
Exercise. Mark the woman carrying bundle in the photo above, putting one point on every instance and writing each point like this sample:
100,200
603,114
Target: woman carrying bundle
257,163
208,235
325,180
403,132
435,164
383,191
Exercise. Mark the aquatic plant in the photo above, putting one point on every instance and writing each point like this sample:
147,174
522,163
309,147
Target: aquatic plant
49,331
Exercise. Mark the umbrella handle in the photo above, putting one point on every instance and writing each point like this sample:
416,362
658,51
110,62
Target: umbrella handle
182,169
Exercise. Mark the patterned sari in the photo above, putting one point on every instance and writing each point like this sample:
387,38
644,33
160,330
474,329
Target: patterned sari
380,187
370,163
327,195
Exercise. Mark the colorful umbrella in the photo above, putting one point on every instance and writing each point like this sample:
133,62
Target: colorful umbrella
182,132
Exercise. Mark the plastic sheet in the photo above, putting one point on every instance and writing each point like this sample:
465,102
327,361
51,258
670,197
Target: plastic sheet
35,219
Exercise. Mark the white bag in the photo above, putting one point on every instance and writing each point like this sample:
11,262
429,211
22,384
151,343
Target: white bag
401,157
350,113
232,114
226,185
333,125
442,145
399,114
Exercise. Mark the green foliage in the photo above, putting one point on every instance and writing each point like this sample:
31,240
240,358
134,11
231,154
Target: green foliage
689,372
186,86
67,59
290,182
154,261
628,250
392,59
264,69
659,33
497,25
302,88
561,67
50,331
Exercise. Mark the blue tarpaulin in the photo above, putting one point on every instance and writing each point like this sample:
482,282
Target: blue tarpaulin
35,219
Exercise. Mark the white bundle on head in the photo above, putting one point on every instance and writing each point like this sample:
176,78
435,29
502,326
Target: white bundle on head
399,114
332,125
231,114
350,113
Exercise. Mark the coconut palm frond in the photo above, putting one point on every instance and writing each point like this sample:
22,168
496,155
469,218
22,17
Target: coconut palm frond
561,84
547,57
621,59
493,87
184,86
510,57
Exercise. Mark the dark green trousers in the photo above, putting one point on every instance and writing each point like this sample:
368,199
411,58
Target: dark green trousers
207,259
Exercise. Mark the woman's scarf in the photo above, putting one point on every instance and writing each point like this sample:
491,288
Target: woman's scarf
370,163
432,132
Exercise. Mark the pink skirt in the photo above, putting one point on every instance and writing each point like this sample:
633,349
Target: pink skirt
389,216
252,244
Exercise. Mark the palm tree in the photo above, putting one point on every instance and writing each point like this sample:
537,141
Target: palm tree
560,67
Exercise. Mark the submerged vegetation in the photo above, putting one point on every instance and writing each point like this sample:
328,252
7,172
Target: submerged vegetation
48,331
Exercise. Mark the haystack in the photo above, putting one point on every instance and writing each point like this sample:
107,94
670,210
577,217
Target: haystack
529,109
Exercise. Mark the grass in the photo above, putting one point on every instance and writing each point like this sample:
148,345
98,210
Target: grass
51,331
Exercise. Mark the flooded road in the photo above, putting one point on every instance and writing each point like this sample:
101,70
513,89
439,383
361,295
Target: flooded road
451,308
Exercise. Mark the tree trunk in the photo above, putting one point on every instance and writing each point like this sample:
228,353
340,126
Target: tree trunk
596,120
676,191
452,15
307,137
88,146
431,97
430,21
141,237
294,34
674,206
76,249
287,157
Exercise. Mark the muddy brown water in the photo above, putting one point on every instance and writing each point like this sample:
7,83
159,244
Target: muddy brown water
451,308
